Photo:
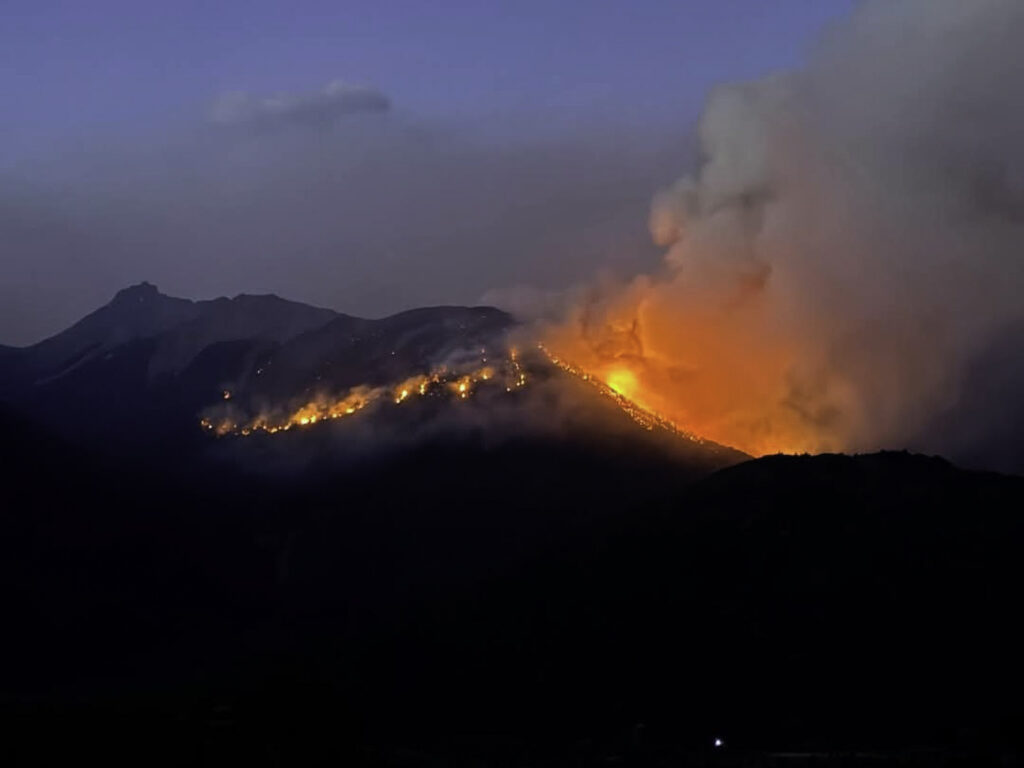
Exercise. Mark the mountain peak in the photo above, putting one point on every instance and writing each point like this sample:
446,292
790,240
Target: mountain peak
138,293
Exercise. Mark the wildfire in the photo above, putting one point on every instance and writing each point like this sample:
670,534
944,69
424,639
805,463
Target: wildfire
616,386
622,381
731,399
415,385
620,384
462,384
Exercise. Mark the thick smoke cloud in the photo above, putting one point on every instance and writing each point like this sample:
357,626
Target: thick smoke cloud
849,249
336,100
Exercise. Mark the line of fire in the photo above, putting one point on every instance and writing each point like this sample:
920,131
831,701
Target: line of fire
462,383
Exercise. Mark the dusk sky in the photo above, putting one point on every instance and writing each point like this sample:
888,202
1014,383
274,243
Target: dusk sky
522,145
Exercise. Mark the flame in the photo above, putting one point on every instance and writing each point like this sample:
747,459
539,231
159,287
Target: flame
412,386
461,384
622,380
739,394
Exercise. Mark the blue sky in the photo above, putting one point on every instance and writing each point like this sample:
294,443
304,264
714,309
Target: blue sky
73,70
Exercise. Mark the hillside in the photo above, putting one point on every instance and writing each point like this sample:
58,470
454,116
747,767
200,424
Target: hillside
136,378
465,575
538,591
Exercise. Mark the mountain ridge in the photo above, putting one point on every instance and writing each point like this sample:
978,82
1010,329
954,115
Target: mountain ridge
528,563
139,370
141,311
145,388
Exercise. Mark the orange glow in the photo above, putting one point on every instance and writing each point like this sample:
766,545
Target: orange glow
622,381
642,415
705,370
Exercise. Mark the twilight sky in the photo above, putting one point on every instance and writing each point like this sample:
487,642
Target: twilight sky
369,156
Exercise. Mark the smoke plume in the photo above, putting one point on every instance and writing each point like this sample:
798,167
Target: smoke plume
848,249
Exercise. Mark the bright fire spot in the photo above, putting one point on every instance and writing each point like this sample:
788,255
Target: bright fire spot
621,380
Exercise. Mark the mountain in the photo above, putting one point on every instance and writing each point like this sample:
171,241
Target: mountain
348,351
525,574
137,372
141,312
134,313
263,318
136,377
557,600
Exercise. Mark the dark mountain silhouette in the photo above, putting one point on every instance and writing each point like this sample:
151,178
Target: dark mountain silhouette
263,318
182,328
133,378
556,599
134,313
524,578
137,373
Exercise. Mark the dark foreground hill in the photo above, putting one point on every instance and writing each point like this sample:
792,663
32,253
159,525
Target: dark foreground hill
523,602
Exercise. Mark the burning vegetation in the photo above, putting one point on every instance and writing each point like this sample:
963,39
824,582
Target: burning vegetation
620,387
459,383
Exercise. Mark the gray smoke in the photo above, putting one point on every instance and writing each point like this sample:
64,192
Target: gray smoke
849,253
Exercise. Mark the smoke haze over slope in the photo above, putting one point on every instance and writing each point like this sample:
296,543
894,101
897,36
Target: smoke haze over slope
847,250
